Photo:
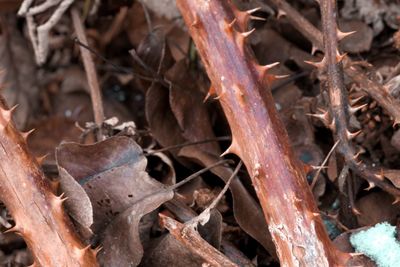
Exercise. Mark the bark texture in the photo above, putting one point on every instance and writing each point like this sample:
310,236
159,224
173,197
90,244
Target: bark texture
38,212
259,137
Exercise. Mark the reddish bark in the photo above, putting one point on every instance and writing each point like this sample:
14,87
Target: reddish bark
259,137
37,211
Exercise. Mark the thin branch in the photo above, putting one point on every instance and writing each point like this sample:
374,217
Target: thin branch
167,148
204,216
90,69
191,239
197,174
315,178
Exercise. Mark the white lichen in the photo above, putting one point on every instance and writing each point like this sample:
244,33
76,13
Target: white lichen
378,243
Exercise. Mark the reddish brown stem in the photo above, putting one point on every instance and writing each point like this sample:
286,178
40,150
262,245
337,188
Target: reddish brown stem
38,212
258,135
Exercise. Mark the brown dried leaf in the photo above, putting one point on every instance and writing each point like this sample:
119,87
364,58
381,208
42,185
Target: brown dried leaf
377,207
78,203
393,176
358,42
112,172
121,240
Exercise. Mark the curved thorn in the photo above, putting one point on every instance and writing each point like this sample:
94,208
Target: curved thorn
251,11
25,135
353,110
247,34
319,65
341,35
351,135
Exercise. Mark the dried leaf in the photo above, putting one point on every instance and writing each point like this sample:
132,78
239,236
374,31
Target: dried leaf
377,207
78,203
393,176
112,172
121,241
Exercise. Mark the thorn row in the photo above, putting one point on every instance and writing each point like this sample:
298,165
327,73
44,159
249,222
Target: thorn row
339,106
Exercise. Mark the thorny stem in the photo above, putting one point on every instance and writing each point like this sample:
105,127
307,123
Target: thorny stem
375,90
90,69
339,107
258,135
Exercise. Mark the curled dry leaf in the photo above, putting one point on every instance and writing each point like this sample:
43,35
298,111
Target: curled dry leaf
112,174
377,207
121,239
78,203
393,176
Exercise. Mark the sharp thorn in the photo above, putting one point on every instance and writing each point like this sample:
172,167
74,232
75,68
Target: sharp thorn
353,110
370,186
322,116
319,65
280,14
339,57
355,100
25,135
257,18
380,176
230,25
356,211
313,50
251,11
41,159
341,35
210,92
351,135
247,34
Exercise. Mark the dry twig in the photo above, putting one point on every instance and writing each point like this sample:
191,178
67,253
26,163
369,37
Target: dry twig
91,74
40,34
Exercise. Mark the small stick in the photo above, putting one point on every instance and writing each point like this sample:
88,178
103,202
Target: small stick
204,216
90,69
315,178
167,148
191,239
